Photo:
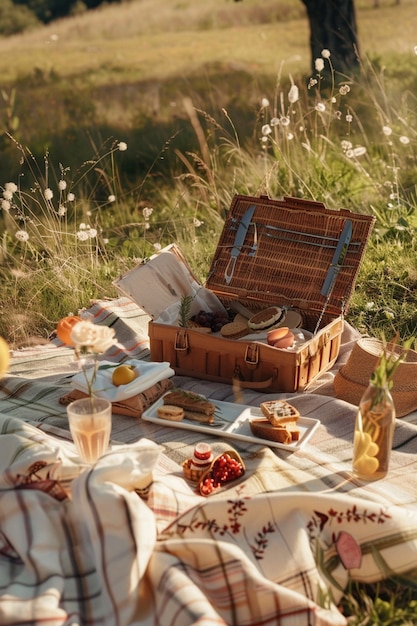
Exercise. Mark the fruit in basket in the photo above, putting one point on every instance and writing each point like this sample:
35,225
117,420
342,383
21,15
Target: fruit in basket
225,468
64,328
123,375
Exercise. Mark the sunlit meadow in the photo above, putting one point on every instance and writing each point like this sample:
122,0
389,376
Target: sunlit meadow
347,143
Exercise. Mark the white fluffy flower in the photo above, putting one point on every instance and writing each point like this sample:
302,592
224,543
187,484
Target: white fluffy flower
12,187
264,103
22,235
325,53
387,130
293,94
62,185
111,198
48,194
70,197
122,146
91,337
319,64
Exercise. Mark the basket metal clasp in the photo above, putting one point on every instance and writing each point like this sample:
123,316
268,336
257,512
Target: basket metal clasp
252,356
181,341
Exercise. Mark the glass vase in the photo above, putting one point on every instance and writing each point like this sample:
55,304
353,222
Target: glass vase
374,431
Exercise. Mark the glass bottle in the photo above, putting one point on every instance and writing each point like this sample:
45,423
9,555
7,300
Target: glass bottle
374,431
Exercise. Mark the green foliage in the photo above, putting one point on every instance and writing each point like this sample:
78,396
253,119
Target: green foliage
15,19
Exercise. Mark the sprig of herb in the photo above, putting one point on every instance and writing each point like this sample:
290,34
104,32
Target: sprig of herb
389,362
185,310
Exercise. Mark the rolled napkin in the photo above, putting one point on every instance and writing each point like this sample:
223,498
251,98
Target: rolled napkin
134,406
148,374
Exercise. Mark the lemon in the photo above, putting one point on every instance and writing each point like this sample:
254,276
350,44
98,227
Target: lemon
4,356
123,375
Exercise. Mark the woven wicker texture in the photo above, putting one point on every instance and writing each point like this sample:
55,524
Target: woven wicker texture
287,252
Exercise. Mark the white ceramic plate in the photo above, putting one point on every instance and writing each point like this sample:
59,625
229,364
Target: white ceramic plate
233,423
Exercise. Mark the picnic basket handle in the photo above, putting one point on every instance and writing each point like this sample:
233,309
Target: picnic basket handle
249,384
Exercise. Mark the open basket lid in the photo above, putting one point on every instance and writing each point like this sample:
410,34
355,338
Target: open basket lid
159,285
283,252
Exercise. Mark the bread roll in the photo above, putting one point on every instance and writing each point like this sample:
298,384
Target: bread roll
285,433
170,412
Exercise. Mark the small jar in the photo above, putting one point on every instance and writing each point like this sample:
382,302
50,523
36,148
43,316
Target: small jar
202,457
374,432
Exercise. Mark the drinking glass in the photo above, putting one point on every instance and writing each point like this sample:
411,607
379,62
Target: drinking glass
90,426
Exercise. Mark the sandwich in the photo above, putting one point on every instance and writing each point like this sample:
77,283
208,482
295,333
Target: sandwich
195,407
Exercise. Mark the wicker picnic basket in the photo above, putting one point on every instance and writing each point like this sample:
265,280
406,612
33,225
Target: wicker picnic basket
285,259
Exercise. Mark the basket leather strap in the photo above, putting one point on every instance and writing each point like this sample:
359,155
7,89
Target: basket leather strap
248,384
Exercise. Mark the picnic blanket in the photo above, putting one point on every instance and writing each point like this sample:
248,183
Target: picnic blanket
90,546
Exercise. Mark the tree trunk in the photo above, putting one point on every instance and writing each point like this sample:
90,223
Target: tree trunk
333,27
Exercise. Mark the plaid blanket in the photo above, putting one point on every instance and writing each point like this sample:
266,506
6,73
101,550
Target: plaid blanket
91,546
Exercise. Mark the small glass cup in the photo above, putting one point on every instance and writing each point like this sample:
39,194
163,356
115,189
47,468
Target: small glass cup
90,421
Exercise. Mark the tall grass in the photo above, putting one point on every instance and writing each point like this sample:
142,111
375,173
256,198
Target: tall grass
348,144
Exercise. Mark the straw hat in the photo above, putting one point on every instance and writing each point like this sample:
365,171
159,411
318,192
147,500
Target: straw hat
353,378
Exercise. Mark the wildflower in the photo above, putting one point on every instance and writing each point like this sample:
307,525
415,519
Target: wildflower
7,195
389,314
147,212
22,235
312,82
320,107
82,235
344,90
122,146
157,246
290,136
62,209
325,53
266,129
346,145
338,115
284,121
105,240
111,198
197,222
92,232
264,103
319,65
274,121
48,194
369,306
62,185
83,226
70,197
91,339
12,187
293,94
359,151
405,140
5,205
264,139
387,130
349,118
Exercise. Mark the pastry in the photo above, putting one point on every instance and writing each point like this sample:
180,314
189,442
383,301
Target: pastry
279,412
195,407
280,337
284,433
236,329
266,319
